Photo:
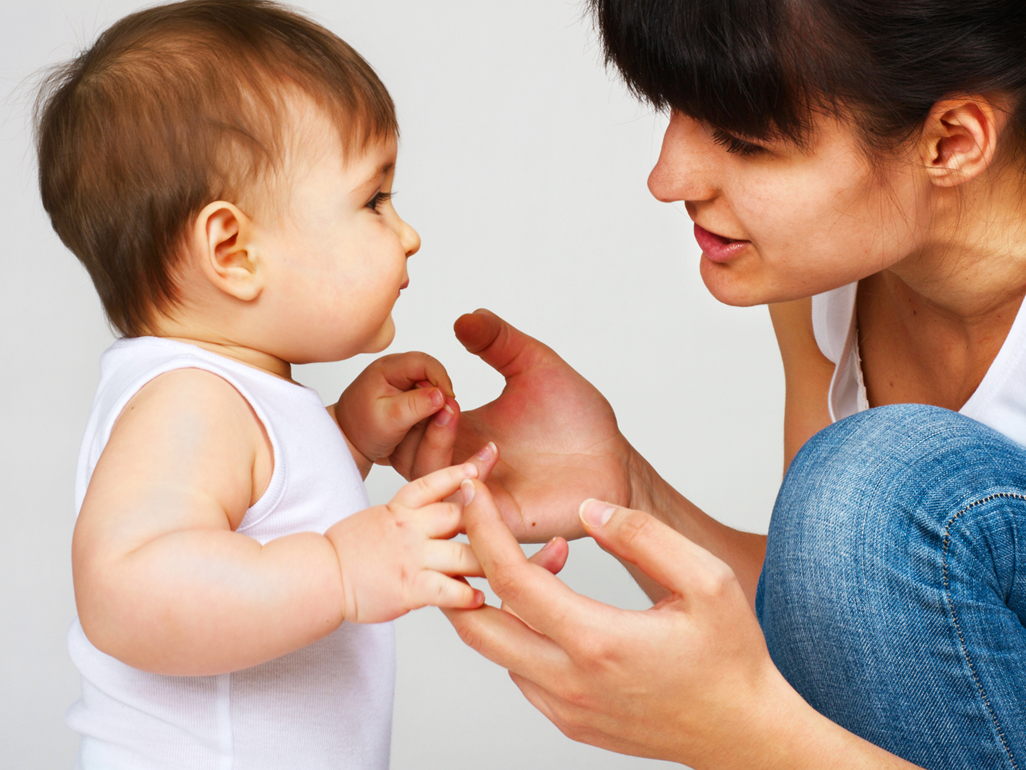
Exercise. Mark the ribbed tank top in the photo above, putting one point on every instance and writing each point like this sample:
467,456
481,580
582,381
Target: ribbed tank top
327,705
999,401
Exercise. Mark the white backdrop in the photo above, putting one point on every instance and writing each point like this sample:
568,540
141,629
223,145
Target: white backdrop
523,165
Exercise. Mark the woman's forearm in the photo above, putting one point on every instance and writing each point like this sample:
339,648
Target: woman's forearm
786,733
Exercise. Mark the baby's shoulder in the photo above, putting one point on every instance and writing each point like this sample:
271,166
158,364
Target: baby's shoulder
192,394
186,414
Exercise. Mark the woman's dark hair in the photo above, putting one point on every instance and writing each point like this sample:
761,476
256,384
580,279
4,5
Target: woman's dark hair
764,68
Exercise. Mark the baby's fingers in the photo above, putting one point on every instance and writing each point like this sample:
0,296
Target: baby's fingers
403,456
403,370
438,590
437,442
435,486
452,558
406,409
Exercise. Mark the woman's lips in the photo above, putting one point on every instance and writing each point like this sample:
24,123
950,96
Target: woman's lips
716,247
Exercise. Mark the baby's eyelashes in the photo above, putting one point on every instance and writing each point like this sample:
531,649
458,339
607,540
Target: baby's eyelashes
379,198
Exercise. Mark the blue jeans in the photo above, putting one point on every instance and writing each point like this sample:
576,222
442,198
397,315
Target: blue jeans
893,596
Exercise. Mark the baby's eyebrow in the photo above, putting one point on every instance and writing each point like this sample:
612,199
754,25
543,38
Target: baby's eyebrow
373,178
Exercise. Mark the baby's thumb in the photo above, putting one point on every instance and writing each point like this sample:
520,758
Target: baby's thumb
416,404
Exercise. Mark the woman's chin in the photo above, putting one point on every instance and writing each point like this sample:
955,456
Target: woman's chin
729,284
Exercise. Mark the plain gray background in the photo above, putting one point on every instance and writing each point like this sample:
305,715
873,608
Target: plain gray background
523,166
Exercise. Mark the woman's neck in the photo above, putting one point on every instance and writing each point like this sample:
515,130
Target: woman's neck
931,325
973,260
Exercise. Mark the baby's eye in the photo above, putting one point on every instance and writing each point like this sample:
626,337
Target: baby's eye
379,199
734,145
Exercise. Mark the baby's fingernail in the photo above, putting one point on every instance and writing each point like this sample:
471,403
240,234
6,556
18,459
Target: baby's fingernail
595,513
437,399
467,491
487,452
478,598
424,384
444,416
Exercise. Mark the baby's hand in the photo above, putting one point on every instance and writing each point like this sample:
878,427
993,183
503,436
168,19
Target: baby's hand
386,415
398,557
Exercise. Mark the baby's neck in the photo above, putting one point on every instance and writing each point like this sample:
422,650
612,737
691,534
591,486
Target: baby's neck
222,345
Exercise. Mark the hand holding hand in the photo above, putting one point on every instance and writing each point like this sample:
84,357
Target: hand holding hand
400,411
398,557
559,438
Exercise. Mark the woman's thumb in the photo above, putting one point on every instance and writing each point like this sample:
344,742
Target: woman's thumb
659,551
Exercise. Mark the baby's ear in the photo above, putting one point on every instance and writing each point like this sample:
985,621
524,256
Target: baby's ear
222,237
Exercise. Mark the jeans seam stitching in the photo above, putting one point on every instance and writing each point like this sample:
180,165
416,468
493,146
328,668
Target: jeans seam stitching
954,616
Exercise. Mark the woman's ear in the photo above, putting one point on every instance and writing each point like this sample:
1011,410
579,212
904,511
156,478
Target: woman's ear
227,257
960,138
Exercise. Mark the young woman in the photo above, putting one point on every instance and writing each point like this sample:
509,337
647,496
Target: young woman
858,166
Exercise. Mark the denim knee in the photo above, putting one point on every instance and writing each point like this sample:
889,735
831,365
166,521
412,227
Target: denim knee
892,593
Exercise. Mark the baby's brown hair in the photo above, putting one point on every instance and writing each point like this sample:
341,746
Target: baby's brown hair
172,108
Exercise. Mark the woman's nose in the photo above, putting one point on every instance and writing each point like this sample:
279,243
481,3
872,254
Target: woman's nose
686,169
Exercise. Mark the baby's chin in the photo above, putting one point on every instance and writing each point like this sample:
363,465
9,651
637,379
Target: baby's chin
382,339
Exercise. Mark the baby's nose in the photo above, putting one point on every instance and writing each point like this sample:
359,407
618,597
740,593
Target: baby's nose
410,239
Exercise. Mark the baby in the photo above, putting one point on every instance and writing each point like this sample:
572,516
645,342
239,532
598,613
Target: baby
223,169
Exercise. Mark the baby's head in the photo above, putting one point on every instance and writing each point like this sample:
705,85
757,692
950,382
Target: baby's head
228,163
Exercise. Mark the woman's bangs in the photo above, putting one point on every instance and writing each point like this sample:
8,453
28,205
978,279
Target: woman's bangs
717,61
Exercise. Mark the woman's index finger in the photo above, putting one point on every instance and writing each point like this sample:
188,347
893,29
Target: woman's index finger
508,642
544,601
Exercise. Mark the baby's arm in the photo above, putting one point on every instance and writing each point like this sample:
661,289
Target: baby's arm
400,411
164,584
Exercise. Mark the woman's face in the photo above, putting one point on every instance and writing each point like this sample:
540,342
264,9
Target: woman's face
777,223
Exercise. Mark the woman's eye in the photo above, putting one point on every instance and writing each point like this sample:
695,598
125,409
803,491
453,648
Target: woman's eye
734,145
379,199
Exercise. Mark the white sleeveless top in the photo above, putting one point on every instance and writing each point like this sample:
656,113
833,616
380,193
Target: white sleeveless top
999,401
327,705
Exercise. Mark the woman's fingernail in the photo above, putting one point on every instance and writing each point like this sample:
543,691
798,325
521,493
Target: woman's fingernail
479,598
487,452
595,513
547,546
467,491
444,416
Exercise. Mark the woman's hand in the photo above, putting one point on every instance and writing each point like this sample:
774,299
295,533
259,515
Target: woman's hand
557,435
689,680
669,682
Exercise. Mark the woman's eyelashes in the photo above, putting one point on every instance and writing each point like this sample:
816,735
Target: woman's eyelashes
379,198
734,145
